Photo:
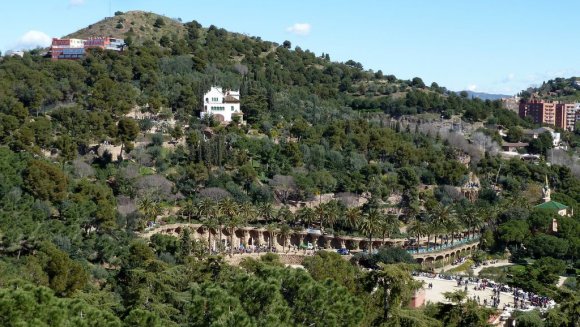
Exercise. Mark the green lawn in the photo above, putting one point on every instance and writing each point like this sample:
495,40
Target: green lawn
462,268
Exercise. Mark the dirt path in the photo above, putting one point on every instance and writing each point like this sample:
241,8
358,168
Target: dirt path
561,281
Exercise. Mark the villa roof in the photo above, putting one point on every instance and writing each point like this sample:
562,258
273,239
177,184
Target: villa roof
552,205
230,99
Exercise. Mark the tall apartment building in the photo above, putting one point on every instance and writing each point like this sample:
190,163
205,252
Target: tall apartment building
566,116
562,115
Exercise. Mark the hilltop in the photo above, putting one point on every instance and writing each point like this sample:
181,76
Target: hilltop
138,25
364,88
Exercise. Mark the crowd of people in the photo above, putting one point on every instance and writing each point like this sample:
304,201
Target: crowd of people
521,299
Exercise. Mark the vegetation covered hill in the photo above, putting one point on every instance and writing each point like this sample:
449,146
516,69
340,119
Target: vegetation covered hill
136,25
564,89
70,214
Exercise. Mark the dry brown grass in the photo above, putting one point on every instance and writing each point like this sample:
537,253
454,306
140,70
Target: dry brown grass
138,24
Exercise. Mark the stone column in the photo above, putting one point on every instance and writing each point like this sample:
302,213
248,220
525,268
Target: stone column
235,240
261,237
342,243
327,242
246,238
300,239
314,238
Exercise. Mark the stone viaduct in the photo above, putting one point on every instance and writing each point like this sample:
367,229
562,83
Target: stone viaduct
256,236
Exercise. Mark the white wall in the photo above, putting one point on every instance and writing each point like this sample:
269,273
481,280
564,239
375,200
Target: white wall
213,105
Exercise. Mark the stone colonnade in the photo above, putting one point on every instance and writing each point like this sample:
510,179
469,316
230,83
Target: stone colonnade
445,257
254,236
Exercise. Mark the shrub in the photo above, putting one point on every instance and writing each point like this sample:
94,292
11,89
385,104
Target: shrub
159,22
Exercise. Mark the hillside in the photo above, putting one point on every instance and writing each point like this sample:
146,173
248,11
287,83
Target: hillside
138,25
564,89
346,82
98,155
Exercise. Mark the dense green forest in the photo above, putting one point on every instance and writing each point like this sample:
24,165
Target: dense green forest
70,253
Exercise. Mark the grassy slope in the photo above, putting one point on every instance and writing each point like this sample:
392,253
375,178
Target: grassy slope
139,24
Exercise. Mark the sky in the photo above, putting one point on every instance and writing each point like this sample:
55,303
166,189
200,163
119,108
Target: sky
493,46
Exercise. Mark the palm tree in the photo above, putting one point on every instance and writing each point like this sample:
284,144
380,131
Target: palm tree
284,215
320,212
232,224
440,217
247,212
149,208
307,215
205,208
453,225
332,213
353,216
228,210
494,212
388,225
266,211
370,224
188,209
472,219
271,228
285,232
417,228
209,223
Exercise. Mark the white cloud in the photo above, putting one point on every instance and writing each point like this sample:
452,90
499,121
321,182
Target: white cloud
74,3
33,39
472,87
299,29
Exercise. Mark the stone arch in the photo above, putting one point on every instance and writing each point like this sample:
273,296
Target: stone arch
335,243
200,230
364,244
353,244
218,117
294,240
320,242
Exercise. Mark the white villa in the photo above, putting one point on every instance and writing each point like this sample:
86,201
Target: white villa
222,104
